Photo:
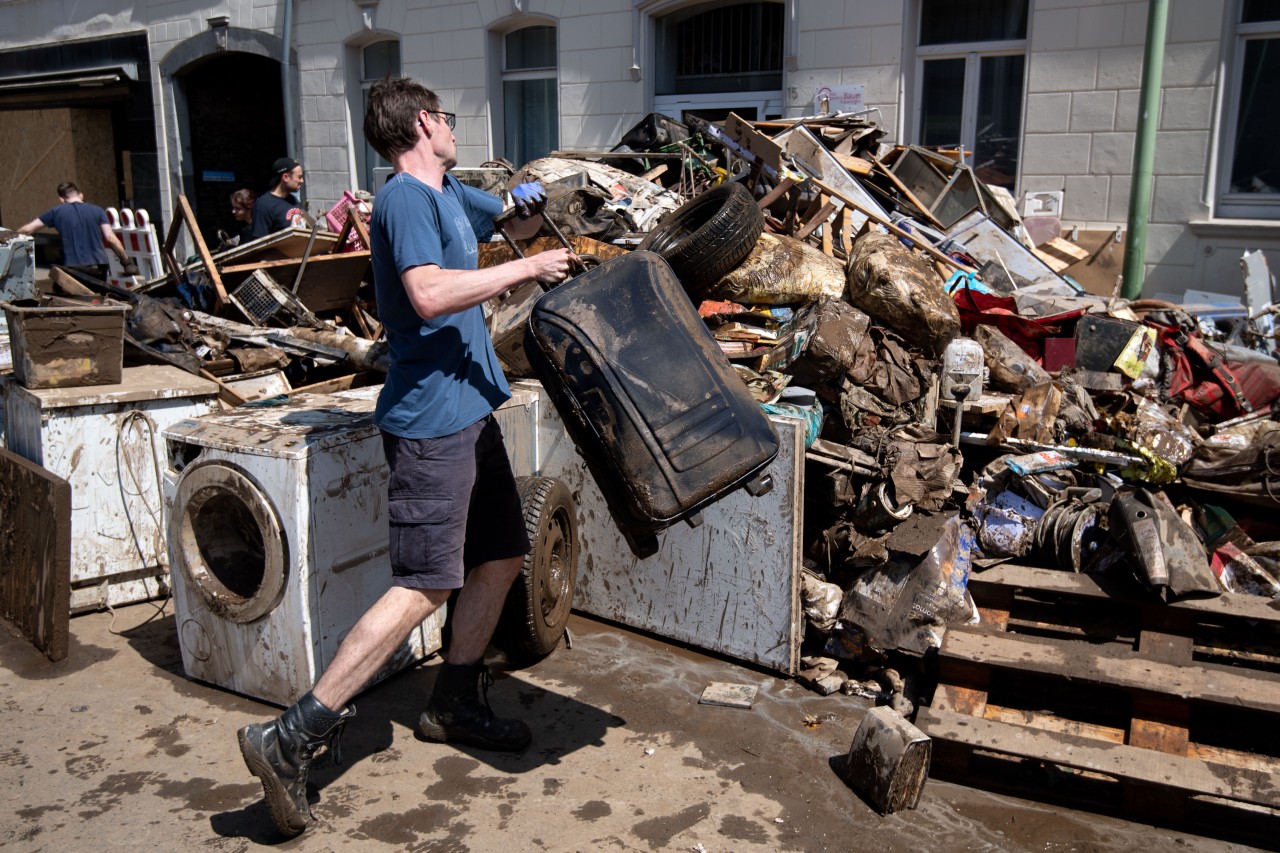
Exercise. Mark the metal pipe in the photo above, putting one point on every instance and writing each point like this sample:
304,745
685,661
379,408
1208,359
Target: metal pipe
1144,148
286,90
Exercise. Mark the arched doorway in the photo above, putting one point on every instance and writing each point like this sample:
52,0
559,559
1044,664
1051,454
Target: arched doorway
235,121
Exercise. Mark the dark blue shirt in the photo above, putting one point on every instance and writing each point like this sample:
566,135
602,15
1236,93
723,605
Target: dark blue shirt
80,226
272,213
444,374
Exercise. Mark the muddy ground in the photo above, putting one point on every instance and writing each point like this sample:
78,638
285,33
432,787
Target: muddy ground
114,748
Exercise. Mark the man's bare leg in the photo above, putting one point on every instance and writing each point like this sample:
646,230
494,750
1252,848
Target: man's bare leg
373,640
456,712
479,604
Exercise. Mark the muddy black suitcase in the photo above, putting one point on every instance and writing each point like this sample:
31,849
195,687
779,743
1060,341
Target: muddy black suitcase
664,422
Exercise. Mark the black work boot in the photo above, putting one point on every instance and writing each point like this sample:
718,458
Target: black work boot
279,753
459,712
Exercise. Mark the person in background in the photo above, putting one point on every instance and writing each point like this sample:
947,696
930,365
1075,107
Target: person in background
456,519
242,209
84,230
279,208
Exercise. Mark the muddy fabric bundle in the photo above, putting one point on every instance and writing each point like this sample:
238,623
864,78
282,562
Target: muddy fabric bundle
838,345
779,271
1243,464
903,291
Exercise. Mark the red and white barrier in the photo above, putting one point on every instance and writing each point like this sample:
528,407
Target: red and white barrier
138,236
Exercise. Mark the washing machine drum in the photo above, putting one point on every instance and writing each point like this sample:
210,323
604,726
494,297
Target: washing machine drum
229,544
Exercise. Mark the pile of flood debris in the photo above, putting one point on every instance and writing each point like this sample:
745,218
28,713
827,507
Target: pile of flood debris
968,401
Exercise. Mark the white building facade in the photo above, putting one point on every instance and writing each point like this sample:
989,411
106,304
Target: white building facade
1043,93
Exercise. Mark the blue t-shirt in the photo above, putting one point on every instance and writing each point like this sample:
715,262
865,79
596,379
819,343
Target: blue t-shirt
444,374
80,226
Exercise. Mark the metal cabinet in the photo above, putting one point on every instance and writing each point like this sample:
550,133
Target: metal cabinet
730,585
105,440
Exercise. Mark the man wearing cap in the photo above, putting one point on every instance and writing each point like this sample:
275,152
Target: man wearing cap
279,208
84,230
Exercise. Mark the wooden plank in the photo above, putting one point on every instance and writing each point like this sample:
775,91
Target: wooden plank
962,700
906,191
1077,661
884,222
1052,261
776,193
855,165
1051,723
211,269
1245,607
1066,247
1178,772
823,214
35,553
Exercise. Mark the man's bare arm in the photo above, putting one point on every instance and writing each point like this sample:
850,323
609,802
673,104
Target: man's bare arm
33,226
434,291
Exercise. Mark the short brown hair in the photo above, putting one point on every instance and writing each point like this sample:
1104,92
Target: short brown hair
66,188
390,120
243,198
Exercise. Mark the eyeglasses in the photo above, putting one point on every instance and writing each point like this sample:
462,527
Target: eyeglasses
449,118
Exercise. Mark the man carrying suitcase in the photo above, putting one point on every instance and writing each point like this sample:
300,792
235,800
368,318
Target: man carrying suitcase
456,520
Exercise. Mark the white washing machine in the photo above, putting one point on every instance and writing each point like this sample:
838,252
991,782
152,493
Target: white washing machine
278,541
105,440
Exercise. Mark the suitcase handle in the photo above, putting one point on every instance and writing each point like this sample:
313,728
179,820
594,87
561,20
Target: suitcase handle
583,262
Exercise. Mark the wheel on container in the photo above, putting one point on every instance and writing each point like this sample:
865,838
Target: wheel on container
537,607
708,235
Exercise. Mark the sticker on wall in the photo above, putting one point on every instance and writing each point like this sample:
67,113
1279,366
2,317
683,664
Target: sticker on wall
838,99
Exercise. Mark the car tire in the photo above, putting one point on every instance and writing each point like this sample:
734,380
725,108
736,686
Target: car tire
708,235
537,607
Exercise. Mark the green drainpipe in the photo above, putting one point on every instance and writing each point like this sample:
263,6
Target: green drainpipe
1144,149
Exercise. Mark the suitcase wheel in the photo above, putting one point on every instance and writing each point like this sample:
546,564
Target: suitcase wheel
761,484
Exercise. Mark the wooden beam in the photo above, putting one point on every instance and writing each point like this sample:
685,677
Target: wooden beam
1178,772
286,262
776,193
902,188
823,214
1250,607
915,239
210,269
1067,659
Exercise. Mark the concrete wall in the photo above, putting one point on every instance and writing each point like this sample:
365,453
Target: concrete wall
1083,74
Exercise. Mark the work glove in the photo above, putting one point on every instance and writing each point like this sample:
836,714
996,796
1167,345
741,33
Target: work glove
530,198
130,268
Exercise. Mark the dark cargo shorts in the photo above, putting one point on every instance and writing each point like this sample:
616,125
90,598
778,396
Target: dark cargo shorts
453,505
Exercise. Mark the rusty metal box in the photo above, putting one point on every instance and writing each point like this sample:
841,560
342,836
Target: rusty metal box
60,345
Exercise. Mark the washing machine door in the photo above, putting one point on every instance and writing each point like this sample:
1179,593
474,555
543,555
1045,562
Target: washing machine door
230,544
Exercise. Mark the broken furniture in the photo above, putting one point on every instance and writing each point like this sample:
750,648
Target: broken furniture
35,553
1156,709
105,440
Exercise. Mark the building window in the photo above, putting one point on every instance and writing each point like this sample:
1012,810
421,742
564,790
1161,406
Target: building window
712,59
530,94
376,61
1251,171
971,69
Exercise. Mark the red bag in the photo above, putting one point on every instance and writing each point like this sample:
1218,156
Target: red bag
1212,385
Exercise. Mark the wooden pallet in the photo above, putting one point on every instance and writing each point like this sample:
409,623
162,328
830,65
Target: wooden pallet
1081,691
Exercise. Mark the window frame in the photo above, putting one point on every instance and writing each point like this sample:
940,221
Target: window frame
767,102
1229,205
973,53
377,172
505,75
